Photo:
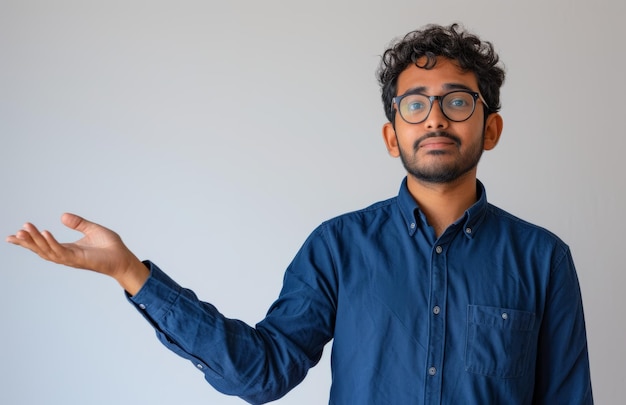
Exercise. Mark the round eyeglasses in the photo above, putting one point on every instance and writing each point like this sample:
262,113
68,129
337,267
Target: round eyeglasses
456,106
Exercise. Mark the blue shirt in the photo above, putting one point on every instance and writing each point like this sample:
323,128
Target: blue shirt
489,312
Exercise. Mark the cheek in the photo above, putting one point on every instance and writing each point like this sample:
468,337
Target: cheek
471,134
406,145
407,134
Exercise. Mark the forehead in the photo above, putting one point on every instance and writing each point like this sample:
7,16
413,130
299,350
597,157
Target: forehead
446,72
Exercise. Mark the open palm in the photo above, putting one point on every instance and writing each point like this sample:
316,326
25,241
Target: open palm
100,249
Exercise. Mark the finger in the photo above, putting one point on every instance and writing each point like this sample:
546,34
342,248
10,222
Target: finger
24,238
57,252
77,223
20,238
41,245
52,243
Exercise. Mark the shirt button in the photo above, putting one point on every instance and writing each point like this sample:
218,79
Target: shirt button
432,371
436,310
200,367
438,249
142,306
505,316
468,230
412,225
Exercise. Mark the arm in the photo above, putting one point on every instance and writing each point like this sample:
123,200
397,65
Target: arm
259,364
100,250
563,375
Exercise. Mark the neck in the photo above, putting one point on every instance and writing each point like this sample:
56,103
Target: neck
443,204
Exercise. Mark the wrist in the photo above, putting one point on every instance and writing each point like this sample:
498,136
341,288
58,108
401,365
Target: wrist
134,276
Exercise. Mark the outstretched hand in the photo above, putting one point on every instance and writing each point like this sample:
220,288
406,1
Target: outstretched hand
100,250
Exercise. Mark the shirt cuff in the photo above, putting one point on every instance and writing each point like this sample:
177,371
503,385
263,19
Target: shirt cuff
157,295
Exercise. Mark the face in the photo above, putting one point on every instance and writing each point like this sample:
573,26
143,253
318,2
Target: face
438,150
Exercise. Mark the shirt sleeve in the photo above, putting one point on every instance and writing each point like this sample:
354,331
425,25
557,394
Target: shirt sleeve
261,363
562,375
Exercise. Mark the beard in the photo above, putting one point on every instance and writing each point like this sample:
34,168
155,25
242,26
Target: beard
441,172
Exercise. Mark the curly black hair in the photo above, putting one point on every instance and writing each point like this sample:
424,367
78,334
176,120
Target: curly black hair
452,42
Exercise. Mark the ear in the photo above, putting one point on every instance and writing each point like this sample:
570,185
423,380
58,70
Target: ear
391,141
493,130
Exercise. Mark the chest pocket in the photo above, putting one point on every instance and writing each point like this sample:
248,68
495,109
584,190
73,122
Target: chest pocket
498,341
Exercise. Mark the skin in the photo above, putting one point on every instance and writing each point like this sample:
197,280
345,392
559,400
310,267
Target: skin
102,250
424,150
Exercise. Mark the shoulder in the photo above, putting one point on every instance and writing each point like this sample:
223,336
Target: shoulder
378,210
506,225
354,228
508,219
363,220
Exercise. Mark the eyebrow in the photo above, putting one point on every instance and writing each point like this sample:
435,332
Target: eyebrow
446,86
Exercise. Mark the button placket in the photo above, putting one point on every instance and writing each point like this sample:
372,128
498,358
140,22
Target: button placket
437,327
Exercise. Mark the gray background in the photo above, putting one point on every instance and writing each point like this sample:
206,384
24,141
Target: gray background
214,136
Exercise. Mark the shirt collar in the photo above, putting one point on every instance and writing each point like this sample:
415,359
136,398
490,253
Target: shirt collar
471,219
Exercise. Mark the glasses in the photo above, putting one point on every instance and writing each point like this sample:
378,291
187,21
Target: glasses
456,106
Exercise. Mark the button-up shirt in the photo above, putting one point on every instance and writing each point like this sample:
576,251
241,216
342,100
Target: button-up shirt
489,312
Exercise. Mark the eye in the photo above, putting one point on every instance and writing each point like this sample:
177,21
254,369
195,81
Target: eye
415,106
458,101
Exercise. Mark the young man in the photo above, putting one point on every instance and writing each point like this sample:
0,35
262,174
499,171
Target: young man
432,297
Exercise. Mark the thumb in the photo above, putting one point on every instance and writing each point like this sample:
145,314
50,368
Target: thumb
77,223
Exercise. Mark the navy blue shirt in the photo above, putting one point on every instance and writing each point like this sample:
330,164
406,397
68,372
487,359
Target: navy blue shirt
489,312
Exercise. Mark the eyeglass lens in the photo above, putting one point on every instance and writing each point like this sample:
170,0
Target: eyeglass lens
456,106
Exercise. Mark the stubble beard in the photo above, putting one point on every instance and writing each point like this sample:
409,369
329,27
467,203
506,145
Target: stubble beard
440,172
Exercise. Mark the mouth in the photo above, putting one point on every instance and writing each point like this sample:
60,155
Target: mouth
436,142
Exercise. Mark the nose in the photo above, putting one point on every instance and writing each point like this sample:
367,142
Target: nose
436,119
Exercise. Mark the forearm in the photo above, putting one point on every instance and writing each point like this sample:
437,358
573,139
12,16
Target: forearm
133,277
254,363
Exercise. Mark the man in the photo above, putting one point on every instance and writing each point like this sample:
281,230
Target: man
431,297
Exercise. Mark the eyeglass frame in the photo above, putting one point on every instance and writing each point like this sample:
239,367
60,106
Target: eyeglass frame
475,95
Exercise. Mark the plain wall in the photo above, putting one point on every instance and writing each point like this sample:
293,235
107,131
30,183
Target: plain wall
214,136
